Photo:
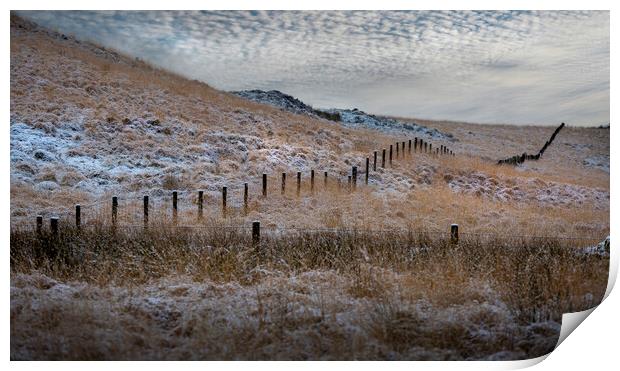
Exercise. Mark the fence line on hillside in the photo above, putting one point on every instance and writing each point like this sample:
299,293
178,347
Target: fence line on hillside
403,150
415,145
519,159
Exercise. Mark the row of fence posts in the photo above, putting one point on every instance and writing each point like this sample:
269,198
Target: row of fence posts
54,227
418,144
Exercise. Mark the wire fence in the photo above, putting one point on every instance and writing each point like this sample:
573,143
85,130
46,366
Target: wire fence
126,213
154,210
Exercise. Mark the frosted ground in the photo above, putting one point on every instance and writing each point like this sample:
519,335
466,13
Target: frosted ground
316,307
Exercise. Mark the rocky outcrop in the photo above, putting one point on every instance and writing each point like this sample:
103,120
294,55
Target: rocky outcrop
354,118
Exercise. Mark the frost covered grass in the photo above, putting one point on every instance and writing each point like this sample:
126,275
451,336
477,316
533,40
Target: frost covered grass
169,293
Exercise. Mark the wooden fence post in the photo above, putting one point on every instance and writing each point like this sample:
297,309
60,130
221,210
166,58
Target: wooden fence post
312,181
39,224
224,194
325,179
403,148
409,146
245,198
415,145
298,183
383,159
283,183
54,226
390,155
145,202
374,163
367,165
354,177
397,145
264,185
454,233
255,233
430,148
78,216
174,207
114,210
200,203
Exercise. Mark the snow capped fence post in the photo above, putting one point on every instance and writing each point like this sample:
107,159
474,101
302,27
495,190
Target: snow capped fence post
264,185
255,233
174,207
200,198
454,233
367,165
145,201
298,183
224,191
245,198
54,226
78,216
374,164
283,183
312,181
114,211
354,177
383,159
39,224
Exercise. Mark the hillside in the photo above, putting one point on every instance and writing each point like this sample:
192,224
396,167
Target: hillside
87,123
370,273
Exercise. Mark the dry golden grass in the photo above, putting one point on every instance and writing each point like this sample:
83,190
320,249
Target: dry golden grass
212,294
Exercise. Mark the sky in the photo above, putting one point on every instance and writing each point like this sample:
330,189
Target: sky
513,67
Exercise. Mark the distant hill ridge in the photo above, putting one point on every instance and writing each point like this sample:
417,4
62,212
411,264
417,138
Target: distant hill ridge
348,117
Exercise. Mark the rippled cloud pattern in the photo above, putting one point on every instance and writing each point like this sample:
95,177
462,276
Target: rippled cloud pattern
520,67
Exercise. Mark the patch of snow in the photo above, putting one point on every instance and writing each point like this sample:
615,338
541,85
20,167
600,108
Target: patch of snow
355,118
598,162
601,249
531,190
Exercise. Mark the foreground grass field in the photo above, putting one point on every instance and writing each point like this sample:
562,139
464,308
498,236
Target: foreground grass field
172,293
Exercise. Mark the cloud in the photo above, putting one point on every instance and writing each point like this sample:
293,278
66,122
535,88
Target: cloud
488,66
